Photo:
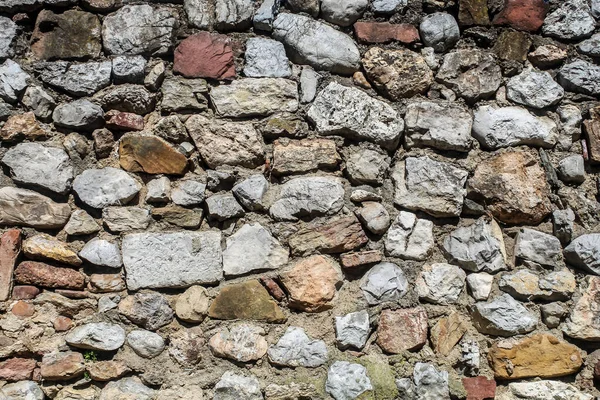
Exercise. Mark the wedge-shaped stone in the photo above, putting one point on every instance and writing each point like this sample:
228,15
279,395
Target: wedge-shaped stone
46,247
150,154
296,349
503,316
23,207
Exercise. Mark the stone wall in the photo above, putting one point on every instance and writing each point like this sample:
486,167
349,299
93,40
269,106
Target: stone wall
230,199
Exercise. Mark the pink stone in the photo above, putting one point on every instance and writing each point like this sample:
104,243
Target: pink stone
205,55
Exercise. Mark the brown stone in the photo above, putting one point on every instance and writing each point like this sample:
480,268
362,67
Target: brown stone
106,283
547,56
40,274
178,216
473,12
73,294
22,126
525,15
25,292
22,309
353,260
479,388
16,369
402,330
312,283
334,236
103,142
293,156
273,288
512,46
446,333
382,32
513,186
62,324
247,300
104,371
150,154
192,305
186,345
205,55
541,355
72,34
10,247
62,366
125,121
46,247
592,132
23,207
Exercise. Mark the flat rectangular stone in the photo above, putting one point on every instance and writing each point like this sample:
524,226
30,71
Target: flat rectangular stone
353,260
335,236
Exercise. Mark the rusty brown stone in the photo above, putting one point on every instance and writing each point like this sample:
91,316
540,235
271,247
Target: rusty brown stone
525,15
10,247
40,274
22,126
16,369
150,154
22,309
479,388
334,236
353,260
62,366
205,55
382,32
273,288
104,371
25,292
401,330
446,333
106,283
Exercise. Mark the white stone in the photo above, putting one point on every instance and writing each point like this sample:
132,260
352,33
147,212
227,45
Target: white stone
77,79
480,285
265,15
503,316
96,336
233,14
266,58
125,389
584,252
539,247
13,81
81,223
580,76
296,349
343,13
309,81
388,6
534,89
352,330
440,283
158,190
572,169
250,192
108,186
409,238
200,13
347,381
102,252
145,343
234,386
8,32
384,282
430,383
542,390
23,390
129,69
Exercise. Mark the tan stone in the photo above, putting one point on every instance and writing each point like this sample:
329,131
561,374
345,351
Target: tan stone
10,247
192,305
242,342
446,333
22,126
353,260
104,371
294,156
22,207
106,283
401,330
150,154
186,345
592,131
46,247
312,283
22,309
584,319
334,236
541,355
62,366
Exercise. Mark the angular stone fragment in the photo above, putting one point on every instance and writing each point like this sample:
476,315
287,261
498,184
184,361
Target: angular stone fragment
526,285
128,98
139,29
237,386
222,207
503,316
106,283
24,390
409,238
316,44
247,300
80,115
83,79
188,192
200,13
266,58
8,32
397,73
291,156
572,169
205,55
150,154
571,20
265,15
231,15
22,126
178,259
16,369
107,370
250,192
334,236
447,332
547,56
46,247
366,165
71,34
127,388
384,282
192,305
148,310
473,12
128,69
439,31
402,329
352,260
584,253
62,366
580,76
296,349
512,126
534,89
374,217
350,112
27,208
100,336
430,383
121,219
102,252
124,121
539,247
10,247
514,187
352,330
382,32
440,283
582,322
241,342
13,81
255,97
181,94
40,274
99,188
312,283
226,143
346,381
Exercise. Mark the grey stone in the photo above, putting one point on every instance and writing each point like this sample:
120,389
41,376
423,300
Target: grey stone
108,302
374,217
127,388
102,252
563,224
503,316
366,166
177,259
181,94
430,383
350,112
23,390
343,13
362,195
440,283
480,285
501,127
352,330
81,223
100,336
265,15
158,190
255,97
200,13
477,247
539,247
543,389
233,15
139,29
316,44
309,81
552,314
347,381
572,169
8,32
444,126
595,8
171,129
188,192
234,386
580,76
311,7
266,58
148,310
6,110
439,31
77,79
103,187
129,69
223,206
590,46
79,115
296,349
41,166
155,77
406,388
436,187
145,343
571,20
308,196
22,207
534,89
388,6
384,282
13,81
253,248
250,192
127,98
584,253
409,237
39,101
121,219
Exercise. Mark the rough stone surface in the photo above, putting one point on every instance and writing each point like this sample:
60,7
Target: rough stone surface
184,95
439,31
584,252
347,381
352,330
205,55
266,58
99,188
146,344
99,336
440,283
76,79
582,322
23,207
304,155
46,247
102,252
382,32
539,247
534,89
148,310
572,20
151,155
247,300
335,236
401,330
241,342
343,14
409,237
503,316
78,115
235,386
296,349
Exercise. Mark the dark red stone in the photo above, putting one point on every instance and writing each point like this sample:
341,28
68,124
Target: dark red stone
525,15
479,388
41,274
205,55
124,121
25,292
382,32
10,247
16,369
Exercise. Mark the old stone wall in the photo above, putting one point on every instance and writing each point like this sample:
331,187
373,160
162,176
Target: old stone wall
347,199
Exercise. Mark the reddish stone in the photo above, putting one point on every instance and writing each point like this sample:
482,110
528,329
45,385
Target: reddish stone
273,288
353,260
22,309
10,247
60,366
25,292
16,369
124,121
479,388
41,274
382,32
62,324
205,55
525,15
72,294
401,330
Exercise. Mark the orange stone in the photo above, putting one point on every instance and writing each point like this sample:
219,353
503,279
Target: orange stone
22,309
